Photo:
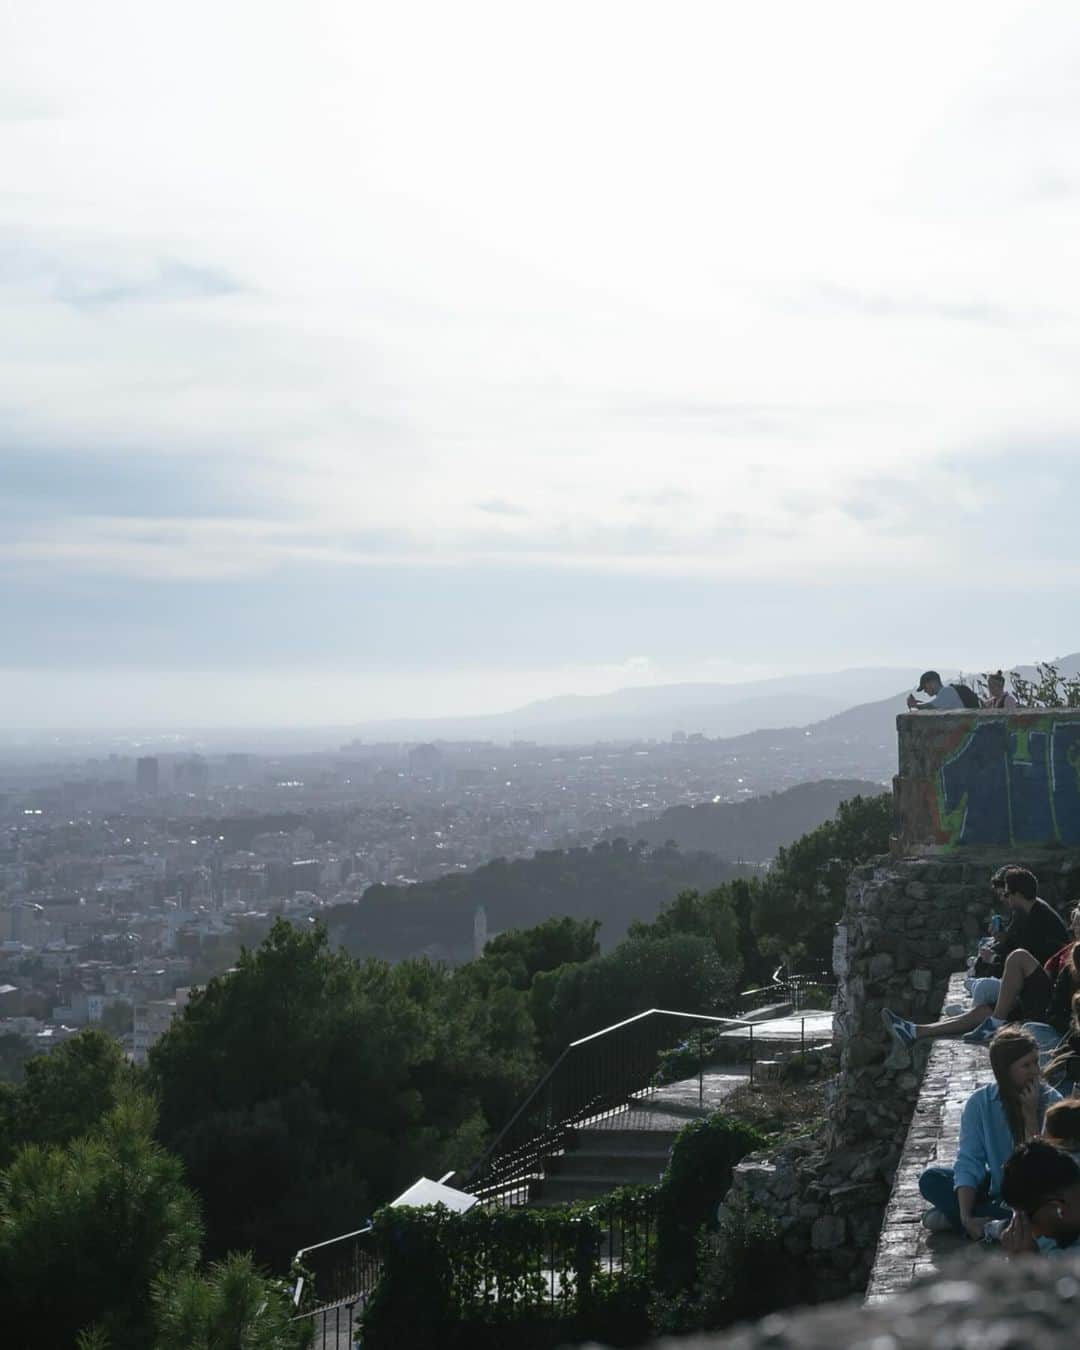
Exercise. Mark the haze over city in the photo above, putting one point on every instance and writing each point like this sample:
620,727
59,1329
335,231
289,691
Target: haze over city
371,362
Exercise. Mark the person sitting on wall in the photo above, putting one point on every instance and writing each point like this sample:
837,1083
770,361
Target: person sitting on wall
988,959
1022,994
996,1119
996,697
1041,1184
942,697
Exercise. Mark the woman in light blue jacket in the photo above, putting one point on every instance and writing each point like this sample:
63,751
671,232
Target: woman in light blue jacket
996,1118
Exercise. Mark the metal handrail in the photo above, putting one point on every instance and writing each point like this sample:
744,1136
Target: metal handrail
606,1090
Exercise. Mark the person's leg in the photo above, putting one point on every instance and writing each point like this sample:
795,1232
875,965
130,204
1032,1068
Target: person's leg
905,1032
937,1186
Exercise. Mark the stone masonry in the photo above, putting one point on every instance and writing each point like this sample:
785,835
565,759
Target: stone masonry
910,924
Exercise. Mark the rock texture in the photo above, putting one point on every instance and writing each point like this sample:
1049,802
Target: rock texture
909,926
977,1303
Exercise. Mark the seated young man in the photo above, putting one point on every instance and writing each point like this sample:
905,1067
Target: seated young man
1023,994
1041,1184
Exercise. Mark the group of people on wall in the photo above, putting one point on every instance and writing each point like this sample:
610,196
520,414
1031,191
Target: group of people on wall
941,697
1016,1177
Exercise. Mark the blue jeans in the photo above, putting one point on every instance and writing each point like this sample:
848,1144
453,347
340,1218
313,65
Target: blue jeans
938,1188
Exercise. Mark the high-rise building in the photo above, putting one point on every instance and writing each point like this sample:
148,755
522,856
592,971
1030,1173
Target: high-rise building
146,775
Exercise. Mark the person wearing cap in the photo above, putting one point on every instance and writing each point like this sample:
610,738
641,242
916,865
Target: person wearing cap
943,697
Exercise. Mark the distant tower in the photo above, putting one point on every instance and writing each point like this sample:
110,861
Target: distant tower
479,931
146,776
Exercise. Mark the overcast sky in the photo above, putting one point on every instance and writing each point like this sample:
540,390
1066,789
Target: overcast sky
366,358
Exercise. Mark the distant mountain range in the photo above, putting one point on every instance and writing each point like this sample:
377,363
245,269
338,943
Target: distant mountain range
655,712
840,724
753,830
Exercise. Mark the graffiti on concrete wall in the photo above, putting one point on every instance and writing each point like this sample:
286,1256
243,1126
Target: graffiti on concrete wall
1012,781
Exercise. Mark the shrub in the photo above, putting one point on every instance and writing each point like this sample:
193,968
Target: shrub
698,1177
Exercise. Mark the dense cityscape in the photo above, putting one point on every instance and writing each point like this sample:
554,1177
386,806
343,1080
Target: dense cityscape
129,878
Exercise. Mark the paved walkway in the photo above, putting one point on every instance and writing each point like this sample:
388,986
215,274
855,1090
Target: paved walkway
905,1248
670,1107
817,1026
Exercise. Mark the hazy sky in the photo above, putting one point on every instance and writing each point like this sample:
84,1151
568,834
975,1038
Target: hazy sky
367,358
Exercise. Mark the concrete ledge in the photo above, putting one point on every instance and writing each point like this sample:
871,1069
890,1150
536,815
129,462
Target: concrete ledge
905,1248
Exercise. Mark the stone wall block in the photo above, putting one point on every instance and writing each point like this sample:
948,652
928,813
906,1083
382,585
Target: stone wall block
827,1232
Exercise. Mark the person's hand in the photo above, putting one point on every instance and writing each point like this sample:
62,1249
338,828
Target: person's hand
1018,1239
974,1228
912,701
1029,1107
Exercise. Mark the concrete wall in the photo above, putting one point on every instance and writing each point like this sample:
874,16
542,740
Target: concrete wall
988,780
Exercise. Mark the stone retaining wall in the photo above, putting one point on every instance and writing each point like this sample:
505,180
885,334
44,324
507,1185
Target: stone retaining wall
910,924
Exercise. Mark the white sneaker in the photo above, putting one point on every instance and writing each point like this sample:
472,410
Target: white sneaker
936,1222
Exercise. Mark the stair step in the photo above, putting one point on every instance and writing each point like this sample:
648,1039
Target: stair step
610,1141
619,1169
563,1190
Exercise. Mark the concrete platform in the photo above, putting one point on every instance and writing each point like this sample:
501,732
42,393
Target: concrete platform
815,1024
905,1248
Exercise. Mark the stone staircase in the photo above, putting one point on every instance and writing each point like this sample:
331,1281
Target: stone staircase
603,1159
631,1147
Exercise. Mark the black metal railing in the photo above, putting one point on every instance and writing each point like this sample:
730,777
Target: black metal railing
336,1277
594,1077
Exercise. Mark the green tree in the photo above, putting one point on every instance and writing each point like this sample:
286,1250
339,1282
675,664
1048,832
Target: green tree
65,1093
86,1227
303,1089
524,952
681,971
231,1306
711,916
802,896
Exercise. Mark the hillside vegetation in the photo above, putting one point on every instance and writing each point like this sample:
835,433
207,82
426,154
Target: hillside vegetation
302,1090
753,830
613,882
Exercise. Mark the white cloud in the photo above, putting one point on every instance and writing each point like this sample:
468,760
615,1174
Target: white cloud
718,290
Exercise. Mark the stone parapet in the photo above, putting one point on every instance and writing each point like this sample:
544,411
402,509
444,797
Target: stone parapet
987,780
905,1249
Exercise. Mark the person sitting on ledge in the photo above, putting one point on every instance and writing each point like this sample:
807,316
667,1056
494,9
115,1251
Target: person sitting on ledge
995,1120
1024,992
996,698
1041,1183
943,697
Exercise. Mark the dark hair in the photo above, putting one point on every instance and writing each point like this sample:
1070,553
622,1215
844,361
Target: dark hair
1010,1044
1035,1173
928,675
997,880
1019,881
1062,1123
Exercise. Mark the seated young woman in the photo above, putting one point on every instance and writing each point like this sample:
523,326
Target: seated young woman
996,1119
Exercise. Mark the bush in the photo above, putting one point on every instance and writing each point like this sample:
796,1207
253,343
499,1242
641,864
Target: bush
696,1181
743,1274
469,1281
